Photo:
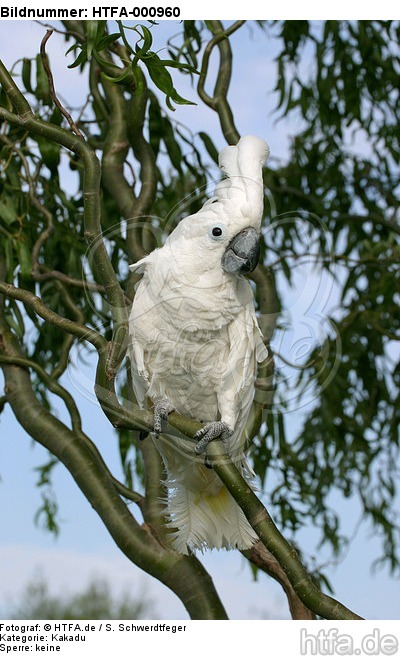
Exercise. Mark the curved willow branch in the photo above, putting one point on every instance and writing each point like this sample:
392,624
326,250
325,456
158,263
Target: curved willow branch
99,104
53,94
219,101
136,112
268,305
116,148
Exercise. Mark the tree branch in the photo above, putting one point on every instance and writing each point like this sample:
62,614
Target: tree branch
116,148
219,101
264,560
136,112
269,308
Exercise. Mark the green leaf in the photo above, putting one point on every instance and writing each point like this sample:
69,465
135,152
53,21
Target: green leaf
18,315
116,78
155,123
163,80
81,59
14,318
46,516
181,65
94,34
91,36
286,269
106,41
56,117
10,262
42,83
172,145
45,471
8,213
209,146
50,152
159,74
26,74
147,42
24,258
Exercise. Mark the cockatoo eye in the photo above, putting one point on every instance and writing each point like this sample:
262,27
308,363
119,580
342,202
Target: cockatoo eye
217,232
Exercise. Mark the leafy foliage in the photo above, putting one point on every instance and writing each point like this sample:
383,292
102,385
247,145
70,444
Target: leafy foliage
344,169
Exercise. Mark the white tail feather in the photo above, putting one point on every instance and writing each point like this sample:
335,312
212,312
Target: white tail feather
207,521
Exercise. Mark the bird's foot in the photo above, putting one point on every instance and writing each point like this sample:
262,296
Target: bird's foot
161,411
210,432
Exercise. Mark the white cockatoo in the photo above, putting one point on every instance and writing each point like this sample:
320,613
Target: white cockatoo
195,344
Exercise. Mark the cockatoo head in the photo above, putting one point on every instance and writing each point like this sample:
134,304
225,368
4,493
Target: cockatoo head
224,234
227,228
210,240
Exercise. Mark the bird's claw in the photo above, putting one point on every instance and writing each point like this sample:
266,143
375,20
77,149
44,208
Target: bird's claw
161,411
210,432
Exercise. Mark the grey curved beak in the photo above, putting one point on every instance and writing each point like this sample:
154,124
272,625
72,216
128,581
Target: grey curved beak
242,253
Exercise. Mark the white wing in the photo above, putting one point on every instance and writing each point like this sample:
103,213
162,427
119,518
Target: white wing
246,349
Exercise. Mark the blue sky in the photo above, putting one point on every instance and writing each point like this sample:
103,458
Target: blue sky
84,547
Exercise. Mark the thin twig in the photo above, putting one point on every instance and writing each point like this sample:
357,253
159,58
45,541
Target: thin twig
54,29
68,280
49,74
302,367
